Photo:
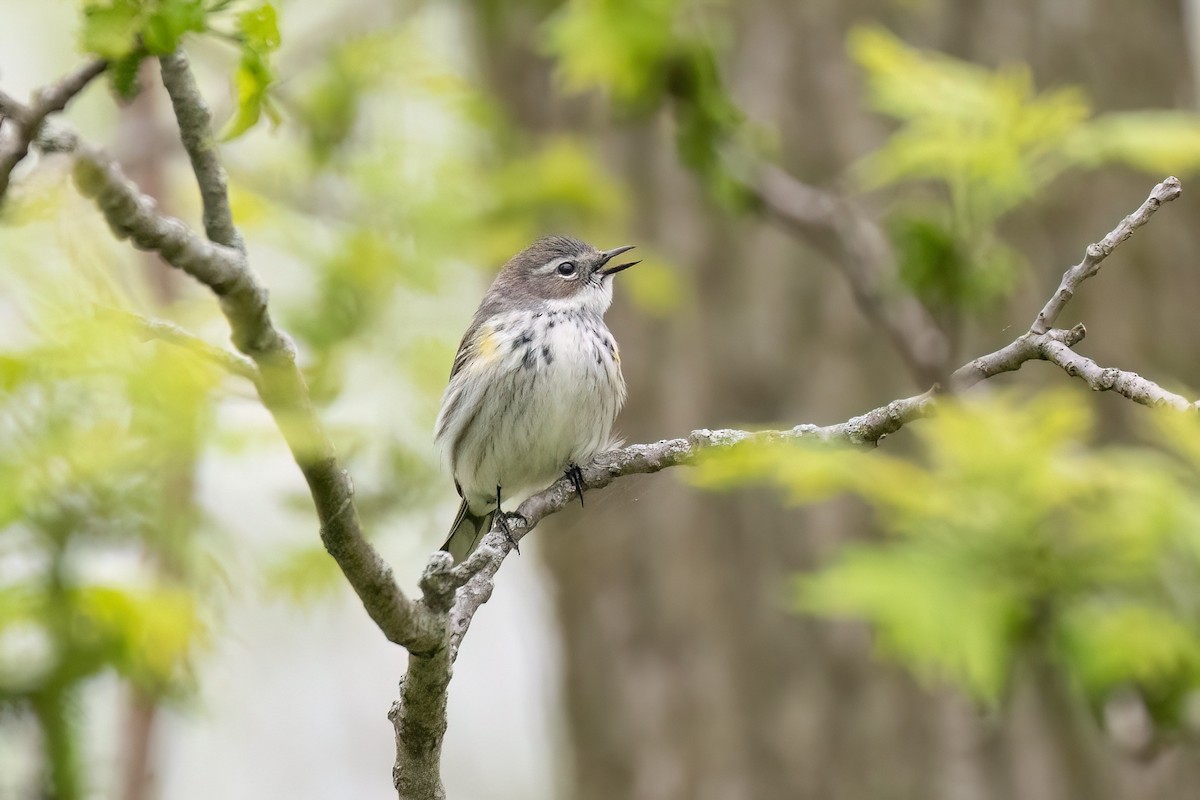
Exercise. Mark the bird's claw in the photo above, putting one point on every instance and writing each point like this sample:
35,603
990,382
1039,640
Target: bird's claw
576,476
506,529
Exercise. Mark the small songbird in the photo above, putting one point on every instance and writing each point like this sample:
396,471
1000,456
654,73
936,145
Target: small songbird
536,384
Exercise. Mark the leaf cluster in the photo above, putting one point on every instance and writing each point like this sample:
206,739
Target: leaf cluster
986,141
1008,530
125,32
647,53
92,425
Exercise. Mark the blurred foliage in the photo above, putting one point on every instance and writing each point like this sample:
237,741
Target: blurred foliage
985,141
96,428
647,52
1010,530
127,31
258,34
990,142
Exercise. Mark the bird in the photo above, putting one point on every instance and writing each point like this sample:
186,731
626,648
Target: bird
536,383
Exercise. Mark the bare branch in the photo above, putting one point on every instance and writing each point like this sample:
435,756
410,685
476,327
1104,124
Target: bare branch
866,430
1010,357
135,216
195,130
1108,379
419,720
1164,192
28,120
857,246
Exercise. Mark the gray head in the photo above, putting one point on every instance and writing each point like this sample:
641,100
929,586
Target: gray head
561,272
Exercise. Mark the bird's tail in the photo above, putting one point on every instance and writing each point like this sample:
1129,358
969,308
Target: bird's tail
466,532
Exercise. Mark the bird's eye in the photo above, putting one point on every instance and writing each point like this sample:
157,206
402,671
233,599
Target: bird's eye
566,269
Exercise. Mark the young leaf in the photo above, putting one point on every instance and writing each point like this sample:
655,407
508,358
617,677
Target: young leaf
259,32
110,29
168,23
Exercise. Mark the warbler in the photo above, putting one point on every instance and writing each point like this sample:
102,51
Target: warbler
536,384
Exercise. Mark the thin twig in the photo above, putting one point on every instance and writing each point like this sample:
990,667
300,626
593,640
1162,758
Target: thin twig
1164,192
27,120
169,332
1109,379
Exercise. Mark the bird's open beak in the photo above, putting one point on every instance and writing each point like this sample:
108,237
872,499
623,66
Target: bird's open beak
609,255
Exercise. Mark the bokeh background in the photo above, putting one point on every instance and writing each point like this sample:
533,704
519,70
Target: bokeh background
169,625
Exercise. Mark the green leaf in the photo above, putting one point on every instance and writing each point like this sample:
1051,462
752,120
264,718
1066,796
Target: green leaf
616,45
259,33
260,29
251,82
149,634
1121,644
990,136
1158,142
168,23
110,29
1009,532
926,613
123,75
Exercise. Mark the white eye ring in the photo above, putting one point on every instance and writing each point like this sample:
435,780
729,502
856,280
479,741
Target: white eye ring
566,269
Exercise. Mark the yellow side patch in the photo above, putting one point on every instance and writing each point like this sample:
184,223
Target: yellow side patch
486,347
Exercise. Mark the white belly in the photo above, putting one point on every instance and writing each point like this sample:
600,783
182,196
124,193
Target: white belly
547,400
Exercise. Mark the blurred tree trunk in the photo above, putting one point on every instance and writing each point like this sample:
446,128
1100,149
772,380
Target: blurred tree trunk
685,674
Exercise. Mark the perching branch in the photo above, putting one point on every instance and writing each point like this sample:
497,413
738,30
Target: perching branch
27,120
1109,379
1052,345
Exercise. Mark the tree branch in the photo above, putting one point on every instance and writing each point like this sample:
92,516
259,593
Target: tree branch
1164,192
1109,379
27,121
195,130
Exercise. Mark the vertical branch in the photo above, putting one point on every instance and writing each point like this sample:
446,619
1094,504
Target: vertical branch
195,130
419,719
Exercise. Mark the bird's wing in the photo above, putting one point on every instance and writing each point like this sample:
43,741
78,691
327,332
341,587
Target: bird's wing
475,365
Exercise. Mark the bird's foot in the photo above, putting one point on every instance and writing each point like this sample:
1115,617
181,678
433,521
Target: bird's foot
576,476
505,528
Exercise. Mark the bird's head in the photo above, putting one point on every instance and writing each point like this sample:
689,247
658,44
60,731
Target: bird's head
563,274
